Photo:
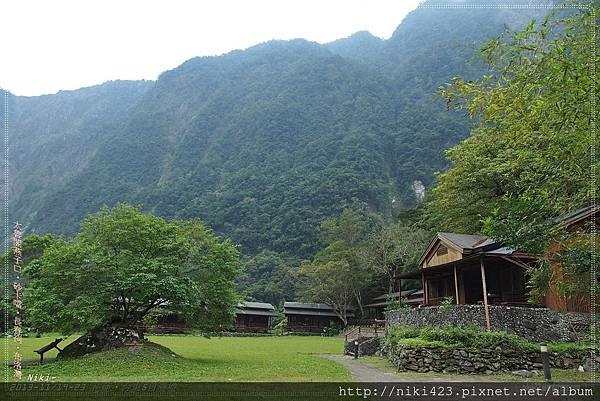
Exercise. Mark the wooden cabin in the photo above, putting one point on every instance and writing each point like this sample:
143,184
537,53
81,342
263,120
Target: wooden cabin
253,317
578,224
471,269
311,318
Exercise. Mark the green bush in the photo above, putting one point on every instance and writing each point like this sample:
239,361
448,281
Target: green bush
446,304
397,334
332,330
474,337
280,327
469,337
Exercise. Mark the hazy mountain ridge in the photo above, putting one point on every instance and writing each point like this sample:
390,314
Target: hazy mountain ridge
261,144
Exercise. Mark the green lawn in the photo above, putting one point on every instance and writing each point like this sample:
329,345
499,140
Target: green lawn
31,343
289,358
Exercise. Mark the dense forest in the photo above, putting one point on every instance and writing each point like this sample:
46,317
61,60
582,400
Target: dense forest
262,144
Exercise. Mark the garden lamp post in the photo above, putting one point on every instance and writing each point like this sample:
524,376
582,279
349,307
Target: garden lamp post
355,349
545,361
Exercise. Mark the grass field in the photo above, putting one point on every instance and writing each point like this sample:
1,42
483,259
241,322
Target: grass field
223,359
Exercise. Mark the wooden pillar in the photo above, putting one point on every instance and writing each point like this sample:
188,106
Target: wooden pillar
456,285
485,297
426,290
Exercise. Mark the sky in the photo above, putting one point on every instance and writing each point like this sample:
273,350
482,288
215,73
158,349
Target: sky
55,45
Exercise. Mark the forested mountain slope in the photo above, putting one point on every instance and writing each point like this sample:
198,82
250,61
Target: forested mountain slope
261,144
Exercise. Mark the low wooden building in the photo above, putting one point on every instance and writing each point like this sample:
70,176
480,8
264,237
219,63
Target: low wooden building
376,309
306,317
471,269
253,317
578,224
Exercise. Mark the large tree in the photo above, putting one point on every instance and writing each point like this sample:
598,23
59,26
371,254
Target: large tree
337,275
529,157
125,263
395,248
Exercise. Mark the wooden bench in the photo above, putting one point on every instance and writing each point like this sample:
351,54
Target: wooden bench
46,348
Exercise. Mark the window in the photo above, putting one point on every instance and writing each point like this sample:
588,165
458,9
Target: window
442,250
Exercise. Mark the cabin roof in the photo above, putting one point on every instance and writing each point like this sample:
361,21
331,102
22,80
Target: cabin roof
466,244
412,297
314,309
466,241
394,295
256,305
577,215
255,308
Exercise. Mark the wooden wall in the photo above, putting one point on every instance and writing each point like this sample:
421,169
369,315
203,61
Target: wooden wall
440,254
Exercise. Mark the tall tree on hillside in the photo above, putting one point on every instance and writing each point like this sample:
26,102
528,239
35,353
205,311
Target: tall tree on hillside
331,283
529,155
528,158
395,248
340,263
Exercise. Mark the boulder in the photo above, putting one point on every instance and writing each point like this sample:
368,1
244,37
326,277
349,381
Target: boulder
523,373
102,338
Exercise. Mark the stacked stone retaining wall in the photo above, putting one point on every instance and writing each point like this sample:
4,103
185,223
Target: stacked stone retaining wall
533,324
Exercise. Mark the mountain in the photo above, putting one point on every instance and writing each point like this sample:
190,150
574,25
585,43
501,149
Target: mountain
53,137
261,144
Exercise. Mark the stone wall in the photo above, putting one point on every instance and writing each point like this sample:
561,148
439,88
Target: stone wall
460,360
533,324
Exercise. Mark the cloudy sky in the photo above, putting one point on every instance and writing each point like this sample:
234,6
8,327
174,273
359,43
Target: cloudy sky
67,44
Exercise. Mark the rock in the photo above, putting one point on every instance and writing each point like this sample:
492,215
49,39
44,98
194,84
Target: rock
587,366
529,324
523,373
101,338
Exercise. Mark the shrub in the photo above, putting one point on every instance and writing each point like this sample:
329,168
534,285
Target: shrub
332,330
280,327
394,304
398,333
446,304
474,337
471,337
459,337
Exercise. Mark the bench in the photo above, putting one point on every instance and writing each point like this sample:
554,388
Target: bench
46,348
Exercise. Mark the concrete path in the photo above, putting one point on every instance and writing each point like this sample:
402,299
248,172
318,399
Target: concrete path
361,372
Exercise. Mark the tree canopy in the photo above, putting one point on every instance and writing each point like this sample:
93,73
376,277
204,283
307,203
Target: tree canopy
529,158
123,264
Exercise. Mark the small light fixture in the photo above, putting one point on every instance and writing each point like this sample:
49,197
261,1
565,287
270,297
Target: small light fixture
545,361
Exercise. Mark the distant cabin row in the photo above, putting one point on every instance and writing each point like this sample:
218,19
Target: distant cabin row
257,317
